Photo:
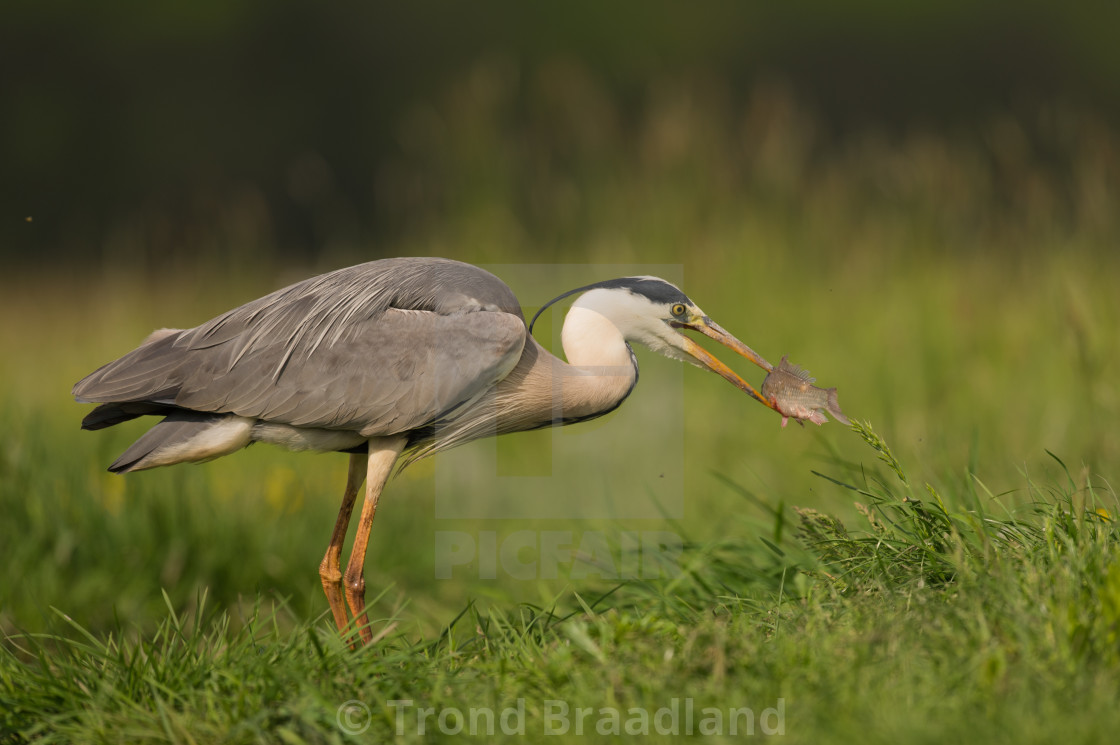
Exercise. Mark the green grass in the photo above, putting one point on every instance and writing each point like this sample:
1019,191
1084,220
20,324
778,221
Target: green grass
938,616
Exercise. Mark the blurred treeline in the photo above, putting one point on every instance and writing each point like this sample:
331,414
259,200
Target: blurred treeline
154,136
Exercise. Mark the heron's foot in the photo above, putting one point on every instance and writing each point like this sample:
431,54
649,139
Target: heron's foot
375,467
356,597
331,576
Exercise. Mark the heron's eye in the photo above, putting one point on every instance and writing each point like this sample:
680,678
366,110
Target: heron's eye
678,309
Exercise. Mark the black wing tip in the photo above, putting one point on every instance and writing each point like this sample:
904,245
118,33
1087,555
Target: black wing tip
105,415
113,413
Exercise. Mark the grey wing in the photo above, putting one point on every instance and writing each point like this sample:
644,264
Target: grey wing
376,348
396,371
391,374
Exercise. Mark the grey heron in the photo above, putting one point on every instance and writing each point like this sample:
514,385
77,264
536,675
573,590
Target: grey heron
399,356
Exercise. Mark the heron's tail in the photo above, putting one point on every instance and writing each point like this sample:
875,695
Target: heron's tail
185,436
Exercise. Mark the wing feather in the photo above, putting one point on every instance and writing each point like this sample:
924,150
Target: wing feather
380,348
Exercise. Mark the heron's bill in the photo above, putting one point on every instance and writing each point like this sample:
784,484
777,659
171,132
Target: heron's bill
713,330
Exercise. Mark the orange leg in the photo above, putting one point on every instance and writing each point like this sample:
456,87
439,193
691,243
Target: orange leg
383,452
329,570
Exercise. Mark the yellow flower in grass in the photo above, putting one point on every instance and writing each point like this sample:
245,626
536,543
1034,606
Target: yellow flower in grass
283,491
112,492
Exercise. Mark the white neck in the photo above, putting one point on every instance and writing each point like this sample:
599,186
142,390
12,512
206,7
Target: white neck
590,339
599,373
600,370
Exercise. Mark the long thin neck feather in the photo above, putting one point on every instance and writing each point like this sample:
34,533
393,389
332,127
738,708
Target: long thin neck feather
598,375
544,389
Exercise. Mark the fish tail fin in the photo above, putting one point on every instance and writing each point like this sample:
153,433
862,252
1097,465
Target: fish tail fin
833,407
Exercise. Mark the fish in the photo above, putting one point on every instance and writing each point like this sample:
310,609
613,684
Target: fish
792,393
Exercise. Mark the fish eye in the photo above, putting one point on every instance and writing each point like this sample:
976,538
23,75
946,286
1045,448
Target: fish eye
678,309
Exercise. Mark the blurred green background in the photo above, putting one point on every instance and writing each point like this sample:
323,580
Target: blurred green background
918,202
143,134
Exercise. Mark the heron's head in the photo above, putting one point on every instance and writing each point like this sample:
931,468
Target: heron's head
655,313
